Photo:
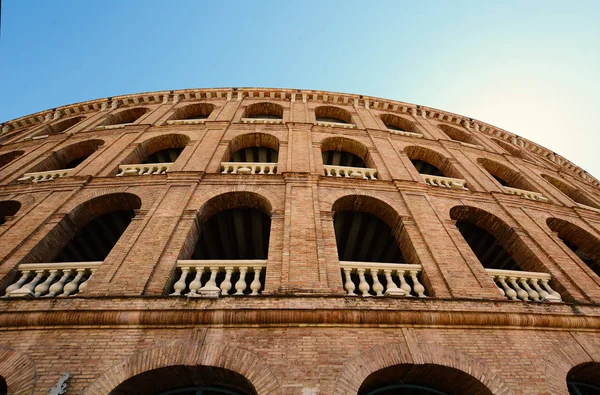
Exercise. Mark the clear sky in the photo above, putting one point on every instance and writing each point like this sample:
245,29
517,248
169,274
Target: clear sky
530,67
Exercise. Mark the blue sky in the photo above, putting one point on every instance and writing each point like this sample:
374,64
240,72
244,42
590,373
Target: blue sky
531,67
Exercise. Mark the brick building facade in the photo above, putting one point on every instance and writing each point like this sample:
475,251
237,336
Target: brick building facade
277,241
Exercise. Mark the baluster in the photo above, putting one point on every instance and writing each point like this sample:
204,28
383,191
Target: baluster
28,288
510,293
196,283
226,284
211,284
24,277
521,294
373,175
555,296
391,287
377,287
240,285
349,285
340,171
255,285
73,285
262,169
543,294
42,288
499,287
180,285
84,285
272,169
225,169
417,286
403,284
57,287
363,285
234,169
532,294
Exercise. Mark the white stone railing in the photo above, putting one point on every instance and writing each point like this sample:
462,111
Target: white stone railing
445,182
470,145
585,206
186,121
51,279
350,172
143,169
213,278
405,133
42,176
115,126
518,285
397,278
336,124
248,168
526,194
263,120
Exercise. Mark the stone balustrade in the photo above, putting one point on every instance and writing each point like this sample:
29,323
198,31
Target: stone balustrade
214,278
42,176
405,133
444,182
143,169
51,279
350,172
273,121
336,125
186,121
381,279
248,168
526,194
519,285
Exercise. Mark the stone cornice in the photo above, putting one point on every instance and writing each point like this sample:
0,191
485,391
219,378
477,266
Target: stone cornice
293,95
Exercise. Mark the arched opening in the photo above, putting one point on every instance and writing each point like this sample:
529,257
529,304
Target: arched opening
124,116
346,157
252,153
584,379
8,208
332,114
582,243
397,123
575,194
186,380
506,176
59,127
264,110
457,134
8,157
511,149
502,252
193,111
427,161
425,379
154,156
89,232
68,157
232,231
368,230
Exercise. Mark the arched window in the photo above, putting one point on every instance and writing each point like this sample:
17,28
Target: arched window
435,169
425,379
264,110
345,157
332,114
66,158
582,243
252,153
59,127
193,112
124,116
8,208
183,380
508,177
457,134
511,149
8,157
575,194
154,155
400,124
232,232
365,232
584,379
499,249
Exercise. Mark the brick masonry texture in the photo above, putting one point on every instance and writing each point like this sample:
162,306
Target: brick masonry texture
302,335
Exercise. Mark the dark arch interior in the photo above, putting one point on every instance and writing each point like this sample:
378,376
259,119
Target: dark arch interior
173,380
426,379
575,194
255,154
510,148
8,208
582,243
488,250
342,158
167,155
363,237
160,149
506,176
194,111
426,168
332,114
584,379
264,110
124,117
68,157
397,123
236,233
457,134
3,386
94,241
59,126
8,157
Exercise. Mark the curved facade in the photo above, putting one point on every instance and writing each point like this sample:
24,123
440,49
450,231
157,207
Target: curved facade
279,241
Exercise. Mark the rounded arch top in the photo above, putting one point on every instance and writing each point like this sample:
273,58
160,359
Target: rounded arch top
345,144
507,176
7,157
428,155
237,199
193,111
457,134
60,126
333,114
124,116
396,122
574,193
483,219
264,110
368,204
99,205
